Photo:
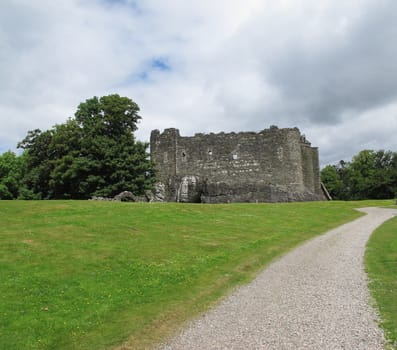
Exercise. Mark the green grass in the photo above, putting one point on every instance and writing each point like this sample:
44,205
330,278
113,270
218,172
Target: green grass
94,275
381,264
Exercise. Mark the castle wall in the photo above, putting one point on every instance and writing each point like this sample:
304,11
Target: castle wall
311,169
163,154
316,174
270,166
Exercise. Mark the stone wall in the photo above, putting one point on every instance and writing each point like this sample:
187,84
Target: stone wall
274,165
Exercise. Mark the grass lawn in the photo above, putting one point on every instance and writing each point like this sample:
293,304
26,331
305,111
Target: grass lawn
381,264
94,275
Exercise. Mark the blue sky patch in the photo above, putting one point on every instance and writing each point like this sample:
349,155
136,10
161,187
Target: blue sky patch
160,64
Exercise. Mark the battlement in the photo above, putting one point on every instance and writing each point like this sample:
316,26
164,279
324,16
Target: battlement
272,165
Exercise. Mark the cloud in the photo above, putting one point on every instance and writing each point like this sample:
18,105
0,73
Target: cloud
327,67
373,129
347,70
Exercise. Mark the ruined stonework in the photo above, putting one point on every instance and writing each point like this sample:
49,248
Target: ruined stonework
274,165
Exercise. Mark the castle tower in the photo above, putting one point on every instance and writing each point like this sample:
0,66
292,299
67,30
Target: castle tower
274,165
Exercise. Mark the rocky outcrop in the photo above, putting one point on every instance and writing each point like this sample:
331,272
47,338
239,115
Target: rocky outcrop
125,196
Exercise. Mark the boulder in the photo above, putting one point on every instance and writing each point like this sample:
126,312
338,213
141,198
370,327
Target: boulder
158,194
125,196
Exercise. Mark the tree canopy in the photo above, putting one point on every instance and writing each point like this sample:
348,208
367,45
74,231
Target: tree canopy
370,175
11,168
93,154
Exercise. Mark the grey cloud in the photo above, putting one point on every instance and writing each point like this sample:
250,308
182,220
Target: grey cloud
235,65
352,75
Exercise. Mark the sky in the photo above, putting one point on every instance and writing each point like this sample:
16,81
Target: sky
327,67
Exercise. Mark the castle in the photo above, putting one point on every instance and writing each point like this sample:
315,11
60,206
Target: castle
273,165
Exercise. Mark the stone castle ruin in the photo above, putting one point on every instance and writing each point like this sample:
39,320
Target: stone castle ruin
273,165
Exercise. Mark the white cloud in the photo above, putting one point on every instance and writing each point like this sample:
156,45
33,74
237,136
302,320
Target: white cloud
373,129
327,67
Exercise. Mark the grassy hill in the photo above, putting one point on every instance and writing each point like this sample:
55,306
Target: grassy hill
94,275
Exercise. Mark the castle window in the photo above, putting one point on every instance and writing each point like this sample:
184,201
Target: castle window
183,154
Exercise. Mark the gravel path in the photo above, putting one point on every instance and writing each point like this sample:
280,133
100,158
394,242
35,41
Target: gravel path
315,297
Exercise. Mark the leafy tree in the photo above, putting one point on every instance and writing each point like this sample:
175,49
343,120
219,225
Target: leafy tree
370,175
109,115
373,175
11,169
335,186
93,154
38,159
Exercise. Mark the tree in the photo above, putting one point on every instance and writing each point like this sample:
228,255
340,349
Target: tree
370,175
38,155
109,115
93,154
334,184
11,169
373,175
